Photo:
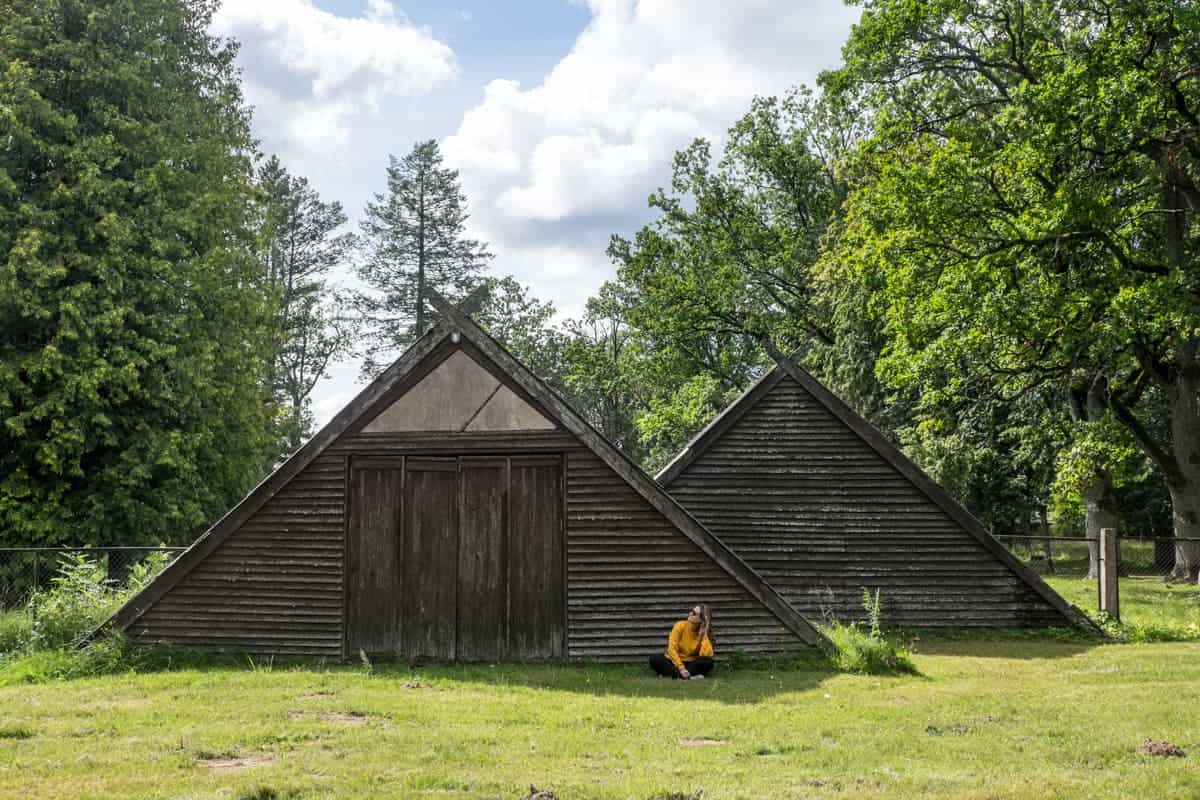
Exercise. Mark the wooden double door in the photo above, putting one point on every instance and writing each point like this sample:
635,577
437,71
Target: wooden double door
456,557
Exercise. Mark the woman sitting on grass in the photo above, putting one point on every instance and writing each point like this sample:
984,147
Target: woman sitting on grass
689,650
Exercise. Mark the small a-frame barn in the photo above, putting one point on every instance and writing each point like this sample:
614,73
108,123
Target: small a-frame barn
458,509
818,502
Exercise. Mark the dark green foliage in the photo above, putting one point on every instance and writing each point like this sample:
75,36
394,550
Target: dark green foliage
132,323
413,238
605,369
1028,204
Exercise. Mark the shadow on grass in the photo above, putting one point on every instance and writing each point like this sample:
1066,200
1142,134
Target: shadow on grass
735,680
745,682
1024,644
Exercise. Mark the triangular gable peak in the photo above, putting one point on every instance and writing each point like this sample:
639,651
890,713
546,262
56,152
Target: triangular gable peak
458,395
275,566
816,499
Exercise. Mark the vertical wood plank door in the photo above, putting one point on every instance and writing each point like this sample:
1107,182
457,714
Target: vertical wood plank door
481,564
536,594
373,561
430,555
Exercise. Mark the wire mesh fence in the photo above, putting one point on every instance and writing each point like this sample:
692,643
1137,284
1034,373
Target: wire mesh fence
1158,556
1156,588
1064,556
26,569
1073,556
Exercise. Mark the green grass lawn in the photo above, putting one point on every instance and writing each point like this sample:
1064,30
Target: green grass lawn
1150,607
1002,718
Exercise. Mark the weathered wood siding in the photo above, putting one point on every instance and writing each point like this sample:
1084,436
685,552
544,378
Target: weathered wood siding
275,585
820,515
275,578
631,574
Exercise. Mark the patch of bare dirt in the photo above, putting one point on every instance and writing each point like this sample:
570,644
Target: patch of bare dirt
316,695
224,763
340,717
1151,747
959,729
701,742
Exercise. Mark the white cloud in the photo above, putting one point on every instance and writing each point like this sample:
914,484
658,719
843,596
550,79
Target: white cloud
308,71
553,169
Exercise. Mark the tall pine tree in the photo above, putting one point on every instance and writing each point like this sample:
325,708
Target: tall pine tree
414,239
300,245
133,322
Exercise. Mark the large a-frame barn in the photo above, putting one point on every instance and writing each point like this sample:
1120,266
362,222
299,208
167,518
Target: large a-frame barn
818,502
458,509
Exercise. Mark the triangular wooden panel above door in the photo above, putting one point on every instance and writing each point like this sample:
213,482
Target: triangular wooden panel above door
458,395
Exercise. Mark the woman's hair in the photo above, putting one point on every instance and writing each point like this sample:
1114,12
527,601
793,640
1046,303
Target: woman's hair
705,620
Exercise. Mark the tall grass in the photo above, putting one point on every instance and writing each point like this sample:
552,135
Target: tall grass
56,620
865,648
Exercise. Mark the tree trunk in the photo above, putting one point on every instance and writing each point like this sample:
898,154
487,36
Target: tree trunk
1185,485
1101,510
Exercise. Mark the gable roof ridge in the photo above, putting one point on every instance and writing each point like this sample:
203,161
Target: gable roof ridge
274,482
635,477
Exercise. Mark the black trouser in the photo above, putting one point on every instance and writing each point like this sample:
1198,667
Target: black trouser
663,666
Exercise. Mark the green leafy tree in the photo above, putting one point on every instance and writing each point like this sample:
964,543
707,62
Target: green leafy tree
604,373
734,258
299,247
133,324
1030,200
414,238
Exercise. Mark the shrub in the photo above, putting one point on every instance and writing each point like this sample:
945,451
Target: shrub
14,631
865,648
79,599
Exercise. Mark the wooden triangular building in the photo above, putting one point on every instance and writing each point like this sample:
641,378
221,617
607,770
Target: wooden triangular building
816,500
458,509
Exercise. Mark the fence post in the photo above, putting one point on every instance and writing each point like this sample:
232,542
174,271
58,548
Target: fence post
1110,597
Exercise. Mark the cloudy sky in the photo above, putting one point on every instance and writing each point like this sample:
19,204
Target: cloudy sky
562,115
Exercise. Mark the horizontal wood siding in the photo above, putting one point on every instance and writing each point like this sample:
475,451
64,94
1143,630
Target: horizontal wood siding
820,515
275,585
631,574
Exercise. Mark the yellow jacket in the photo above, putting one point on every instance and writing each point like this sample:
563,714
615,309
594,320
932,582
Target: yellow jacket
684,645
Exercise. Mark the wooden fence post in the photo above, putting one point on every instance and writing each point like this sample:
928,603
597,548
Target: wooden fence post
1110,596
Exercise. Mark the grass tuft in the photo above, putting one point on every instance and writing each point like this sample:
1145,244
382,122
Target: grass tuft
15,732
864,648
